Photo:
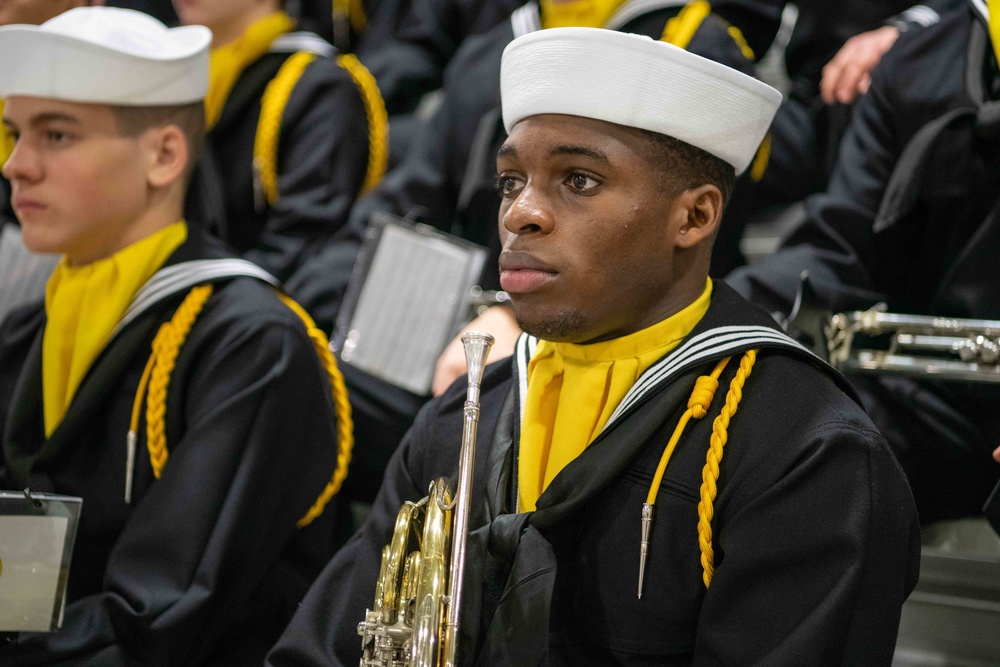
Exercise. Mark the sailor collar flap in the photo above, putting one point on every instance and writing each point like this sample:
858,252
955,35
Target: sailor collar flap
716,336
185,269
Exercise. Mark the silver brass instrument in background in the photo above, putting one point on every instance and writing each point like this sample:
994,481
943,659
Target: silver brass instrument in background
944,347
418,594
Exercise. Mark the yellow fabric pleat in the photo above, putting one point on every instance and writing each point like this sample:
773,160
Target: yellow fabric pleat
353,11
357,16
574,389
83,305
994,7
578,13
227,62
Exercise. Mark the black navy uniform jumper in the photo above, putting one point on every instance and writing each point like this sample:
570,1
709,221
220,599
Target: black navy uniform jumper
815,534
205,564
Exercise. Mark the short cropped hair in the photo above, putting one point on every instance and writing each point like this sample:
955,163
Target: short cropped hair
684,166
190,118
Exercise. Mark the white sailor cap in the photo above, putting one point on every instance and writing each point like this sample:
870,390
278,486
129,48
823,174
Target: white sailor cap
105,55
636,81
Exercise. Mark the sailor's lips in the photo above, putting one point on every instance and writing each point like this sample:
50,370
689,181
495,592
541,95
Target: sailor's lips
520,274
26,205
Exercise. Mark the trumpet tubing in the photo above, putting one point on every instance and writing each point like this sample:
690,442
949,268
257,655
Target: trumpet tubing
946,348
418,595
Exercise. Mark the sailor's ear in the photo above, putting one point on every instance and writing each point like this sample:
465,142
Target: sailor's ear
703,208
167,150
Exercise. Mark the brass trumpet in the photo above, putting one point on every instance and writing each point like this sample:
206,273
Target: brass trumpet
418,597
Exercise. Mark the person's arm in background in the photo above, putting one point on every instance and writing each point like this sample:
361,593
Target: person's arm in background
848,74
498,321
835,243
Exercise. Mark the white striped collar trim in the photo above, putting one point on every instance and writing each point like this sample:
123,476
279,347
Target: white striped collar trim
524,351
980,6
712,343
179,277
292,42
636,8
526,19
921,14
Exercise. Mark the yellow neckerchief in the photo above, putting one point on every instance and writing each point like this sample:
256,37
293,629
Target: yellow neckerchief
83,306
6,141
994,8
574,389
228,61
578,13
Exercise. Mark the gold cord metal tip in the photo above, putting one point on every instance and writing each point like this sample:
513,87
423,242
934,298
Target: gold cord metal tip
647,521
130,444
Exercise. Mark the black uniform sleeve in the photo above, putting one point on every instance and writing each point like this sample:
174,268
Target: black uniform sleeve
408,60
836,243
811,549
257,451
923,14
428,180
346,587
412,60
323,153
18,331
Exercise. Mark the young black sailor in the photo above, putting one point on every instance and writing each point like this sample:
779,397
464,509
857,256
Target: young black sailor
164,383
780,529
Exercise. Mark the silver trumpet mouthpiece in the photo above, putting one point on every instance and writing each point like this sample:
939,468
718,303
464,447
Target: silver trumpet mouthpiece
477,348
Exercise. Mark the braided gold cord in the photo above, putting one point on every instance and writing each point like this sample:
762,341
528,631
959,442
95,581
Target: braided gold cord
710,473
342,409
741,42
698,404
761,159
378,119
166,345
681,29
272,108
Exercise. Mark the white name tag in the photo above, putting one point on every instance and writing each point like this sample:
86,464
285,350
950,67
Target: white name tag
36,544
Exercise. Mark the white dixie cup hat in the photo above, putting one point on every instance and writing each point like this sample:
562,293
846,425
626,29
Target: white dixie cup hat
105,55
635,81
